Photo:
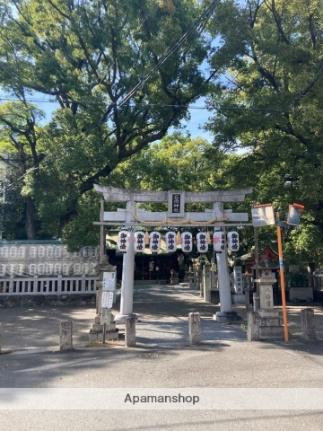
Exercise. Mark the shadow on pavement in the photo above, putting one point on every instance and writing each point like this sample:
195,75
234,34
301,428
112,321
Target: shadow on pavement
235,418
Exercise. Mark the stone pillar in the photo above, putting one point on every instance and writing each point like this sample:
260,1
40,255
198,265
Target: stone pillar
252,327
247,288
194,328
256,300
59,284
130,333
128,272
202,280
223,274
196,271
207,283
224,284
239,295
102,232
308,324
66,335
128,266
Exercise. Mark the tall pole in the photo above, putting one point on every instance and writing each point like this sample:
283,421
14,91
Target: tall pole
256,238
102,238
256,292
282,281
128,269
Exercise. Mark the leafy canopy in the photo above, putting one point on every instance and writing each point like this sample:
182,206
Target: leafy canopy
267,101
88,55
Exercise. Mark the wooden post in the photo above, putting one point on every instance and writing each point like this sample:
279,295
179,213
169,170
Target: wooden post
282,281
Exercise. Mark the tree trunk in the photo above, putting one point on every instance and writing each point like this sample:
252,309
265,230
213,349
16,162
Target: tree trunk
30,224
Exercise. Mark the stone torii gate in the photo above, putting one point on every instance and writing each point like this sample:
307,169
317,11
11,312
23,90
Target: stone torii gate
176,216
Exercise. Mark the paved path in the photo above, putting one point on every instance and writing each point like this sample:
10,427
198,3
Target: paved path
163,314
163,317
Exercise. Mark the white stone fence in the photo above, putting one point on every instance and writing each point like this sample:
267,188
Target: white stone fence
46,260
16,286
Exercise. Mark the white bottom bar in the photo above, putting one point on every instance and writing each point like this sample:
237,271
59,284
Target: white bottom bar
161,398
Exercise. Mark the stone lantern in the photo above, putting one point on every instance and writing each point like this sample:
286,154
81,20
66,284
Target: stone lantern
265,323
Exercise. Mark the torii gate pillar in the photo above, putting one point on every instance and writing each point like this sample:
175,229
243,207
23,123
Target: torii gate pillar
224,287
223,278
128,272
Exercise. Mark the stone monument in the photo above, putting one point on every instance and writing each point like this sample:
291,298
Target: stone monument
265,323
104,327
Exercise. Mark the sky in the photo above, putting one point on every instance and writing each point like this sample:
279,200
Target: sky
194,126
198,118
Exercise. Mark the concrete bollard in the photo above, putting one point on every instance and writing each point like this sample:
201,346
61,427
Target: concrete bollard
130,335
194,328
65,335
93,337
252,328
308,324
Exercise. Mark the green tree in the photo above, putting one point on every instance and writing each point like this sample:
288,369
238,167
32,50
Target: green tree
20,156
177,162
267,101
88,55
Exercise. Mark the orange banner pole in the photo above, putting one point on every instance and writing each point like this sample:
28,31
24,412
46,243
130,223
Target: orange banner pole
282,281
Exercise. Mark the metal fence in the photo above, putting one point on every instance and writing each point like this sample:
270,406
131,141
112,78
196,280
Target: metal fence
48,286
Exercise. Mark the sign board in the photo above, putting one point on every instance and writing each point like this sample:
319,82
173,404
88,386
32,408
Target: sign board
294,214
176,204
109,281
237,278
107,299
263,215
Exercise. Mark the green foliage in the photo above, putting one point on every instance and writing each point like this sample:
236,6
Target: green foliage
177,162
20,156
81,230
88,55
267,101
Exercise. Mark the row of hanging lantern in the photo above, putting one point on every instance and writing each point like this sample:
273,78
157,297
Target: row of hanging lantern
172,240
